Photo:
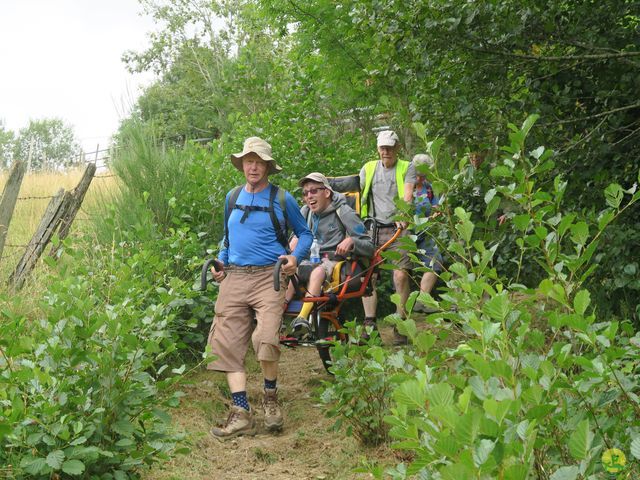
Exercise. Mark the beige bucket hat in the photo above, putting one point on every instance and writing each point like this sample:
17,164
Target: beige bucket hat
315,177
259,147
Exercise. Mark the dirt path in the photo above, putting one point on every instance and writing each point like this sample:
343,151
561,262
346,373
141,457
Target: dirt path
306,449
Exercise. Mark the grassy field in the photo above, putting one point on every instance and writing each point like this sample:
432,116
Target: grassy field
34,196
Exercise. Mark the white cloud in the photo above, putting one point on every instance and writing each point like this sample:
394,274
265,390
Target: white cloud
63,59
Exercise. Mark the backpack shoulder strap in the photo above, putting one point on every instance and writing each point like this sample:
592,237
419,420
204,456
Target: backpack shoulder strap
339,215
281,233
233,198
283,206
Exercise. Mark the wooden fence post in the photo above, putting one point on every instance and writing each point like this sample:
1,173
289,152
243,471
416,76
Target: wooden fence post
59,216
48,224
9,198
74,203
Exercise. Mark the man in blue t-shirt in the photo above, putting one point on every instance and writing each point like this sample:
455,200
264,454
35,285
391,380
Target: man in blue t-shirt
251,248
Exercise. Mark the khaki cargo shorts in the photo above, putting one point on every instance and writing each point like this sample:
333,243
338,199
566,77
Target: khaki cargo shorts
246,293
384,235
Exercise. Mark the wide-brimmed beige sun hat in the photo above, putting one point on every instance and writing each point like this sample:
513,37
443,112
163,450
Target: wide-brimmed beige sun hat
259,147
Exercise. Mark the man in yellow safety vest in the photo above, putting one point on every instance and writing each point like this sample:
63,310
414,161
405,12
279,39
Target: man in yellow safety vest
381,183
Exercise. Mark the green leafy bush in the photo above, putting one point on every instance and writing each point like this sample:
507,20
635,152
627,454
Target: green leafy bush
537,385
364,381
86,388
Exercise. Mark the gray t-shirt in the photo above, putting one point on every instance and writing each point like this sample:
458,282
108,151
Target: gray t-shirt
384,191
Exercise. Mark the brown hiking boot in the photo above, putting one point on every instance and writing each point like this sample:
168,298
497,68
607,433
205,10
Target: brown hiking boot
239,422
273,420
398,338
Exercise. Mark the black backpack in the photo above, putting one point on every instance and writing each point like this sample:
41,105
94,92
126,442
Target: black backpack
281,231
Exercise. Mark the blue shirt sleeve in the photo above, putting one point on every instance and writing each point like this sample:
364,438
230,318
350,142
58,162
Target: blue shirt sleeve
299,226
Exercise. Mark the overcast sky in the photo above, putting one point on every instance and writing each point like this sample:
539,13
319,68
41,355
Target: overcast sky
61,58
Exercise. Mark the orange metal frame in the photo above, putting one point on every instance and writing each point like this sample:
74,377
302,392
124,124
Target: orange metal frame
343,295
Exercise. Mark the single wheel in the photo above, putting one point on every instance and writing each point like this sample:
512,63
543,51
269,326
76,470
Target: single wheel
326,332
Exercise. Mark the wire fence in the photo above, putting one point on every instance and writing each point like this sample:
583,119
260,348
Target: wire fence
57,219
100,157
99,160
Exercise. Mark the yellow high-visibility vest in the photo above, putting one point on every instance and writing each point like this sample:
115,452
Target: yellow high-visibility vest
369,169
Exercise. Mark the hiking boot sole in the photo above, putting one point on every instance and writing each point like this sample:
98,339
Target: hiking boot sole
223,438
274,426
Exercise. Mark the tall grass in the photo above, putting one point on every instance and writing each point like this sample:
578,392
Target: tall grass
34,196
153,181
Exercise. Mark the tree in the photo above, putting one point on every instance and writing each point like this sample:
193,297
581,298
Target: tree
52,144
465,69
290,69
6,146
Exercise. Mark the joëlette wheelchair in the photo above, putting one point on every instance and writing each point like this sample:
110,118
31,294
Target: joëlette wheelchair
352,278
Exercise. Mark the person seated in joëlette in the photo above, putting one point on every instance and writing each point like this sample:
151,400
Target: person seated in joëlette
338,232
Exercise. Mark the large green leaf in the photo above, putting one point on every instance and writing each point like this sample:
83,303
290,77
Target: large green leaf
580,441
492,206
635,447
528,124
496,410
34,466
581,301
448,415
522,221
456,471
516,472
424,341
482,451
410,394
498,307
440,394
124,427
468,427
447,445
613,195
465,229
579,233
73,467
480,365
55,459
565,473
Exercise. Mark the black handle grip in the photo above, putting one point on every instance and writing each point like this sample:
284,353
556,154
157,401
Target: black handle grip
276,273
217,266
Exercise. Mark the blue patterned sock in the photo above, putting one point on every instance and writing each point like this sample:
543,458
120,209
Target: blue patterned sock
240,400
270,384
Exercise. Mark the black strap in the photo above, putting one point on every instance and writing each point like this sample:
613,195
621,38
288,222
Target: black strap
281,234
233,198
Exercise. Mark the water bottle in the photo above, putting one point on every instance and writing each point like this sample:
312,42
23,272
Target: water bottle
314,252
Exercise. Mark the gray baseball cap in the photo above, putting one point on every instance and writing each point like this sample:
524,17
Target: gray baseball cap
315,177
388,138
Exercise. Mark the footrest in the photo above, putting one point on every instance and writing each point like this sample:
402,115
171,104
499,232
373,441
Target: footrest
290,342
294,306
